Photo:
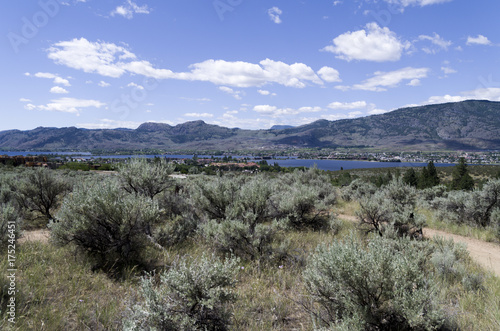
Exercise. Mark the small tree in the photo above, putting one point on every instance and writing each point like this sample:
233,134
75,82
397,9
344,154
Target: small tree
190,296
428,176
142,177
461,179
41,190
410,177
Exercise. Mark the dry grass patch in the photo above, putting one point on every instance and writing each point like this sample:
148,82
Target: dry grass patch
57,291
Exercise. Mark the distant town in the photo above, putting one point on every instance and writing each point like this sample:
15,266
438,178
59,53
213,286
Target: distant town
96,162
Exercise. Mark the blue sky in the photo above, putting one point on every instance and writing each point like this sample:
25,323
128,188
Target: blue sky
240,63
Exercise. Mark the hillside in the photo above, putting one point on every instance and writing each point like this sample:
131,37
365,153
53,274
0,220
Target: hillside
469,125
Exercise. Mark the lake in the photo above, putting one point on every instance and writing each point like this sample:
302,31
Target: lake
283,162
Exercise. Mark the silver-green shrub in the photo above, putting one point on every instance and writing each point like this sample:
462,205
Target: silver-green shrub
107,223
40,190
357,190
243,240
383,285
428,195
6,193
239,215
242,217
305,199
144,177
472,208
393,206
215,198
174,230
178,213
191,296
449,260
9,225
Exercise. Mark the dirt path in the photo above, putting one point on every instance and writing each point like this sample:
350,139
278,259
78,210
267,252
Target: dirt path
36,235
484,253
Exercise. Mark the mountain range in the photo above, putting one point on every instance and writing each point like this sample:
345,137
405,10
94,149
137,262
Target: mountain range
468,125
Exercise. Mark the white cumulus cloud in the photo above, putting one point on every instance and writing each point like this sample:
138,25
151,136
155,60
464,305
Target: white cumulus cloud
448,70
129,8
381,81
274,14
373,43
347,105
57,80
67,105
134,85
199,115
58,90
479,40
491,94
110,124
274,111
103,84
228,90
110,60
266,92
421,3
436,40
329,75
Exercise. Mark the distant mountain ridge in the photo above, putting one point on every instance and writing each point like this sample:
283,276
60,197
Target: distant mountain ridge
469,125
281,127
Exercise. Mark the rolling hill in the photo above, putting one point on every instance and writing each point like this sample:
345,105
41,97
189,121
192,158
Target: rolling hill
467,125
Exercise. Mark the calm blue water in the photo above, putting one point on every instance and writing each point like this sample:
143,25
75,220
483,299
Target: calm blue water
346,165
292,162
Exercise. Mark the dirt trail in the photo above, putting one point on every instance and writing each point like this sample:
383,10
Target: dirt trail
484,253
36,235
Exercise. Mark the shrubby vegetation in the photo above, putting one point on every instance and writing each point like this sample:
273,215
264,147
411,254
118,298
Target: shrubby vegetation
234,251
142,177
477,208
10,225
392,207
40,191
191,296
381,285
108,224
